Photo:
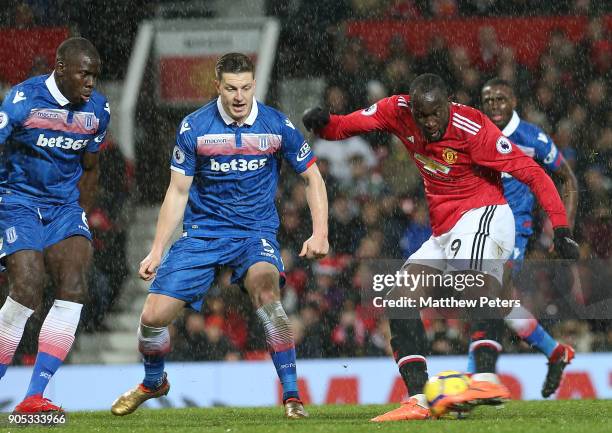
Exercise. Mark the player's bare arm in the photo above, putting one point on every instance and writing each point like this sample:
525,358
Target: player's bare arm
317,246
569,190
88,185
170,216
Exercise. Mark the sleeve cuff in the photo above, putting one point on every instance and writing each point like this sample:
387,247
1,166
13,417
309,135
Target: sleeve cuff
558,220
178,170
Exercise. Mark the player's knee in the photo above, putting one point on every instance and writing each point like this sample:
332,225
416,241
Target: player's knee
268,295
27,289
262,285
265,294
76,291
159,310
152,319
263,278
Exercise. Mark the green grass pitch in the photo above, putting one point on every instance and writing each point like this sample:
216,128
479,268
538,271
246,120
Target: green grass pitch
573,416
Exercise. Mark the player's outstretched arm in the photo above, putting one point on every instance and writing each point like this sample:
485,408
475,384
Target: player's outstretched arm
316,246
88,184
377,117
170,215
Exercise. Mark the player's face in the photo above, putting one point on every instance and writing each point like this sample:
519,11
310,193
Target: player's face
430,111
498,102
76,77
236,92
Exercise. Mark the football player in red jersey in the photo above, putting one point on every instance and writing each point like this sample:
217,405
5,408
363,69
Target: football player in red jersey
460,154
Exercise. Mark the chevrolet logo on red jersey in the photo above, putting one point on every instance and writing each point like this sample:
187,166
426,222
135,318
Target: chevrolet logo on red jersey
431,165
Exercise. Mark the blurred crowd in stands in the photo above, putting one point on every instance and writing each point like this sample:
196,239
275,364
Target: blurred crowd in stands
377,207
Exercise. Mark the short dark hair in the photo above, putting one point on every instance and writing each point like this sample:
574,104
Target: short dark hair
426,83
233,63
499,82
72,47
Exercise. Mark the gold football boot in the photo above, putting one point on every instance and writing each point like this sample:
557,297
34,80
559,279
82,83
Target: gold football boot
294,409
129,401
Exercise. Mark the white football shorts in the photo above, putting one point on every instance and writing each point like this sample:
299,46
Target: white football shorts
482,240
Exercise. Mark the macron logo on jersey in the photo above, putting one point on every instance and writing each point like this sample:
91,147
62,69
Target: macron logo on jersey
19,96
184,127
57,120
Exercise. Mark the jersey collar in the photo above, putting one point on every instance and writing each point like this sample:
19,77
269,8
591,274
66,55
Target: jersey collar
55,91
248,121
512,125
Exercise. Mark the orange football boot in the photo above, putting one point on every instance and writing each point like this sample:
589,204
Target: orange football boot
408,410
480,392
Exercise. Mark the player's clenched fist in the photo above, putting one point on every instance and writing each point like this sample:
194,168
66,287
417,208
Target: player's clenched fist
315,118
315,248
149,265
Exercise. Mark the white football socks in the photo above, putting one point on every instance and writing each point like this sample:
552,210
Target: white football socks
13,318
486,377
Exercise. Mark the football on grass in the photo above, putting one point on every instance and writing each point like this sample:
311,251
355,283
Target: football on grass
444,384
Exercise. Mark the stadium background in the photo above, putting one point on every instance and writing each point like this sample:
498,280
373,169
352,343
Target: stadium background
344,55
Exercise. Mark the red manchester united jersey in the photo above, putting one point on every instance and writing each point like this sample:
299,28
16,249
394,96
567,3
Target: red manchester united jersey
461,171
